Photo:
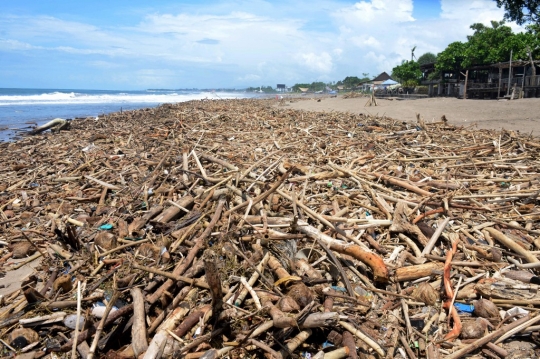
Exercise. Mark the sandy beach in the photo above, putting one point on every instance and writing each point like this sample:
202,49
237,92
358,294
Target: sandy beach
518,115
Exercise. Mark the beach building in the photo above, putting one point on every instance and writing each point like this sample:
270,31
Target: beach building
375,83
283,88
512,79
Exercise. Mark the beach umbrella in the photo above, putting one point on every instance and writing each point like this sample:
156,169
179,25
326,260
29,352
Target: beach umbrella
389,82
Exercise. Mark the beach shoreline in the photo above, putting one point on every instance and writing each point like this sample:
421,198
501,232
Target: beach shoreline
517,115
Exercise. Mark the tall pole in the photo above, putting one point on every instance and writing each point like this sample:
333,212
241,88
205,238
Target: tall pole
509,74
465,88
500,82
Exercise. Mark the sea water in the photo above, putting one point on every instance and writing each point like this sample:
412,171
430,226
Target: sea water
19,108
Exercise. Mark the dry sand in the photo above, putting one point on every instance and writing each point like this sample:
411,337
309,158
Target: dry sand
519,115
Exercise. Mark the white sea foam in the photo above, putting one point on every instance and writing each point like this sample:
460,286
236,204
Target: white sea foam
65,98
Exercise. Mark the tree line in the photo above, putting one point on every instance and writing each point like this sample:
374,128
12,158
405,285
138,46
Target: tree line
349,82
487,45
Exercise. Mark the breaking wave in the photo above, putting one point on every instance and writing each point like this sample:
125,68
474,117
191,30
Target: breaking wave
66,98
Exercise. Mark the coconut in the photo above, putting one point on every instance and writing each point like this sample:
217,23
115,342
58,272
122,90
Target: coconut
149,250
287,304
301,294
22,249
63,282
19,338
485,308
473,329
426,293
105,240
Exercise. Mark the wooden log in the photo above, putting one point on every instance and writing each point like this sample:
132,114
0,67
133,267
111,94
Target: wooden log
317,320
417,271
140,222
339,353
191,320
173,211
139,341
348,342
380,271
214,281
57,123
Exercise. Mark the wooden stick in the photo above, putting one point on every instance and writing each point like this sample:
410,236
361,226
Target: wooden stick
499,236
364,338
403,184
431,243
508,333
417,271
254,277
104,254
191,281
251,292
77,323
101,325
104,184
264,195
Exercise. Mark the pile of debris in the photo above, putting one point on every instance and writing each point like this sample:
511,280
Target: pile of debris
353,94
244,229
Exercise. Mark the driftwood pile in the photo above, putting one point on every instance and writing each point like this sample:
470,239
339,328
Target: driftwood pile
242,229
353,94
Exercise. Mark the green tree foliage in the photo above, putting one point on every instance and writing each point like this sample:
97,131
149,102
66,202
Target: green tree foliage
351,81
452,57
408,73
521,11
521,42
427,58
488,45
317,86
533,29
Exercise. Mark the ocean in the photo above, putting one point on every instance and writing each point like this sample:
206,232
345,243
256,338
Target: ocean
20,106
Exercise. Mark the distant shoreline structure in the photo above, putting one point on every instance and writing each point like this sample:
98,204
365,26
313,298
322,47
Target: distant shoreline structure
199,90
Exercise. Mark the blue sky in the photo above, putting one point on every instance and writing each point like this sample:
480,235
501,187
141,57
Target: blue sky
135,44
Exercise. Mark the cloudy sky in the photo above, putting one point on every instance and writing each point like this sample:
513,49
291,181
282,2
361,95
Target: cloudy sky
136,44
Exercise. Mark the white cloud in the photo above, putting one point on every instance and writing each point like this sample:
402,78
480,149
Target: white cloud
381,33
265,42
362,41
372,12
249,77
321,63
12,45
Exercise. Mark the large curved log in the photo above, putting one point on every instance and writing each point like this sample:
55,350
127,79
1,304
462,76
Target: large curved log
56,124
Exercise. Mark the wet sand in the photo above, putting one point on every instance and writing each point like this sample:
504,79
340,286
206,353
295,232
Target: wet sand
519,115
